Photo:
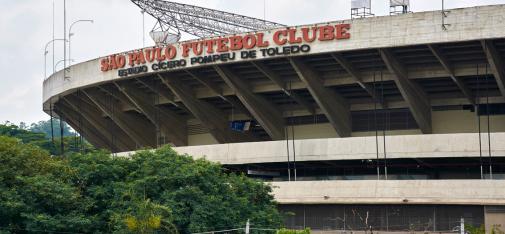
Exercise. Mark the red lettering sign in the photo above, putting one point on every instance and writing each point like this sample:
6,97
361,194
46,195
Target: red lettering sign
249,41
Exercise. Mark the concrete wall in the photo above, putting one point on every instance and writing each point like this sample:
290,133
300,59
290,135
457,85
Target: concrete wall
454,121
201,139
325,130
461,121
400,146
466,24
494,220
462,192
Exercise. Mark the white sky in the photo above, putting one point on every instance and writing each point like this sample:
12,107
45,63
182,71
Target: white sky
26,26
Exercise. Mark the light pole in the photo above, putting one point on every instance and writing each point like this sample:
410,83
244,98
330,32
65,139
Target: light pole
63,60
70,34
143,29
45,55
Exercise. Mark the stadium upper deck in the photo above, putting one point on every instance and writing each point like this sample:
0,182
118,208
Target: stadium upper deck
333,74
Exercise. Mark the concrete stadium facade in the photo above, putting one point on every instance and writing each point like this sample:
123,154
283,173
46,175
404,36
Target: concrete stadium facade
393,118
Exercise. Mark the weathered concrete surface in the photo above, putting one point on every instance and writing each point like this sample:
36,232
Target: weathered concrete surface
494,219
466,24
462,192
401,146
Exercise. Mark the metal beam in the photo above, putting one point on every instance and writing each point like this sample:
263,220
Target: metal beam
497,64
417,100
263,111
142,132
92,114
269,73
334,106
211,117
344,63
171,125
450,69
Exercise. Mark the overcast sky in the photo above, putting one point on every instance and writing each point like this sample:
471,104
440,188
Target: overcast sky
26,26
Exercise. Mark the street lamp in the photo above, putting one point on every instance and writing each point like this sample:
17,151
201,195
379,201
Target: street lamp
45,54
70,34
58,63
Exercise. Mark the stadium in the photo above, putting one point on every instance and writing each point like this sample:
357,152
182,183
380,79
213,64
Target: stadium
379,123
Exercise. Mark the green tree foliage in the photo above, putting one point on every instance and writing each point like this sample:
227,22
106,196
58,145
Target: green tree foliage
35,191
289,231
145,216
71,143
201,196
475,230
44,126
26,136
150,192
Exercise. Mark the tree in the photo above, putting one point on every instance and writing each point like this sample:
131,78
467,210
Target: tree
24,135
201,196
44,126
35,193
198,193
151,191
145,216
71,143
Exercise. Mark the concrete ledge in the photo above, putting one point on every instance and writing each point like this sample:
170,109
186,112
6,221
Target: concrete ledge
454,192
473,23
400,146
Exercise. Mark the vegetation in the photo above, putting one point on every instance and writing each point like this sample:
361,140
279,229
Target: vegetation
288,231
45,127
40,139
156,191
481,230
475,230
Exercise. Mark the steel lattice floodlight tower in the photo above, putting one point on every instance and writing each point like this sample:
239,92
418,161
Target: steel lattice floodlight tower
397,7
172,18
361,8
